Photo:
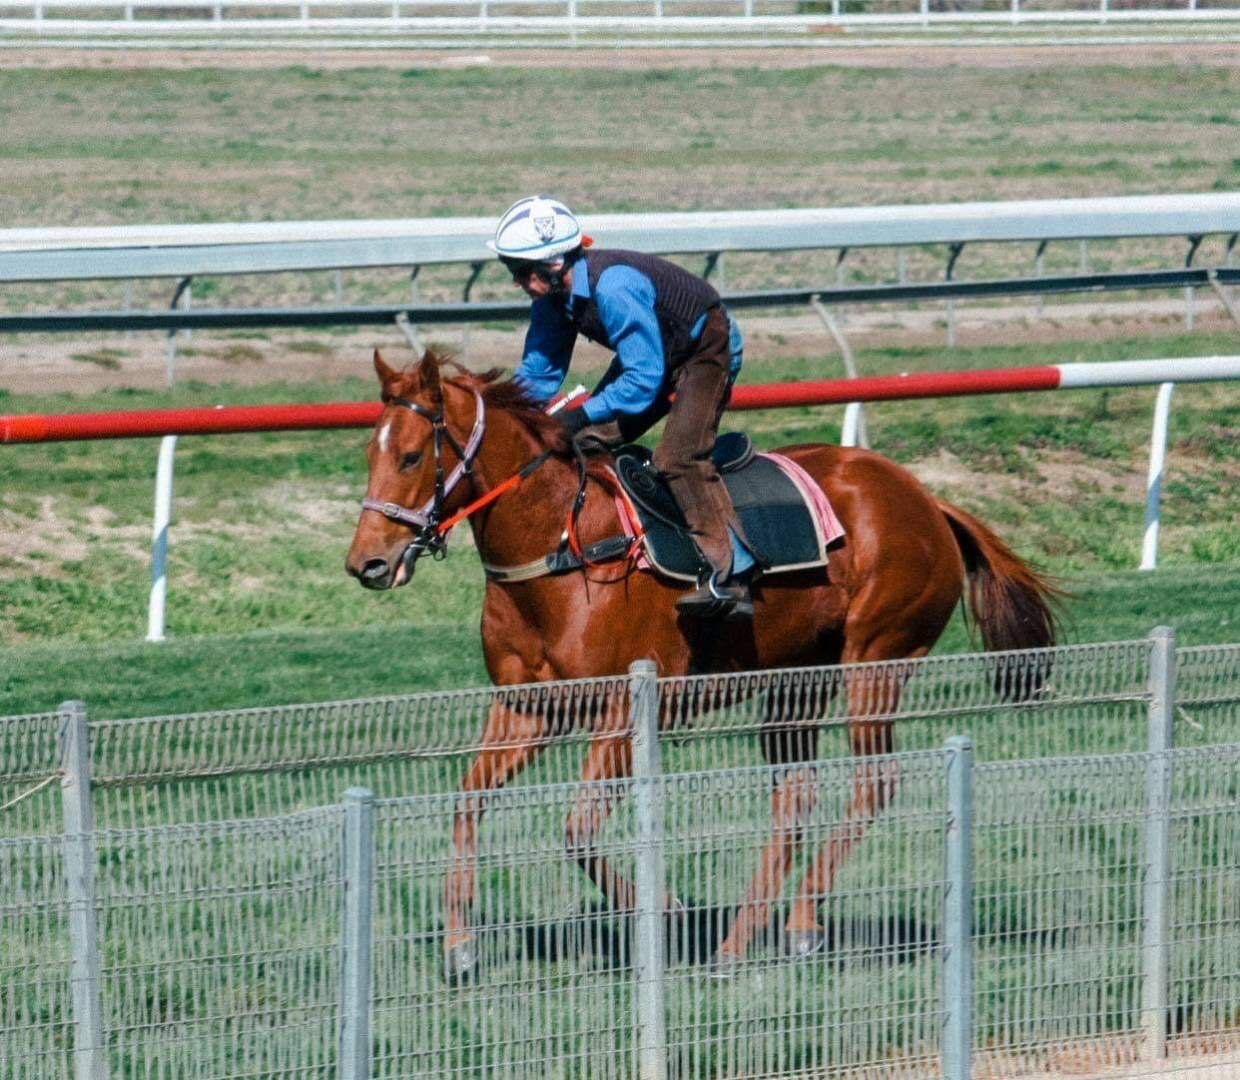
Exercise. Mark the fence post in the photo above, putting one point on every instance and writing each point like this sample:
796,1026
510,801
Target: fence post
650,951
1157,885
358,865
956,1046
89,1058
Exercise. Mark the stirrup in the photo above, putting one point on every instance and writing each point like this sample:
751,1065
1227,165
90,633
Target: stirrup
714,599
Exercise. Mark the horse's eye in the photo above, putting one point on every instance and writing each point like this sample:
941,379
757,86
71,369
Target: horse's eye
409,460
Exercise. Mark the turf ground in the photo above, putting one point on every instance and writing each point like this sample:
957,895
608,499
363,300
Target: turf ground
262,522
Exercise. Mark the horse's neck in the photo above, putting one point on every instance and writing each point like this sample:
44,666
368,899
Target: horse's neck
527,522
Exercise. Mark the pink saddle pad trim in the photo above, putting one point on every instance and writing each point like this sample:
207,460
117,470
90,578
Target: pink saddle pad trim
829,526
815,498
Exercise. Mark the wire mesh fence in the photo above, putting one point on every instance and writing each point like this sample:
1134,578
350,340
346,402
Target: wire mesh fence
771,846
1207,694
263,762
220,945
1088,958
554,990
217,951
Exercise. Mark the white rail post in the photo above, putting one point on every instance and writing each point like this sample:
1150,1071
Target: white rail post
358,868
1157,885
650,950
1153,483
89,1051
853,431
159,539
956,1046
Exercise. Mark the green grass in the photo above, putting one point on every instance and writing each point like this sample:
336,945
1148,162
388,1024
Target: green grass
130,677
262,522
227,145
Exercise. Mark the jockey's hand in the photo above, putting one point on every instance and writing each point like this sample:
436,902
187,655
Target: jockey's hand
572,421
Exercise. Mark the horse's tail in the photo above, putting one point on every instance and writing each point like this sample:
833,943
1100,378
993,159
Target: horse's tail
1010,603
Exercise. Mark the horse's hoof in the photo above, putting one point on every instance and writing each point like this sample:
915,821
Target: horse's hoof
724,966
460,962
801,944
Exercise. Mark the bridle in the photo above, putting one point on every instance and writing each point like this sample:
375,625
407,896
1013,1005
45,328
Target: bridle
430,530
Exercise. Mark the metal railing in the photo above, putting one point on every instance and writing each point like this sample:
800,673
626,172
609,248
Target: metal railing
41,428
179,251
1001,915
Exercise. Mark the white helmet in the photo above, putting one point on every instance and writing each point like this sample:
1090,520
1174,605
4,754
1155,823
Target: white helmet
537,228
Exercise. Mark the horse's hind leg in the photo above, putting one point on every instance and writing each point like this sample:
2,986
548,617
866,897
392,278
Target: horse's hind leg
510,741
873,787
789,739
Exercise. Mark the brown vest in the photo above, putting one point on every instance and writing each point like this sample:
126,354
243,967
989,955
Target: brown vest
680,299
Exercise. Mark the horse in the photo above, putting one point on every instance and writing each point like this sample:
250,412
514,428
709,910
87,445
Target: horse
460,445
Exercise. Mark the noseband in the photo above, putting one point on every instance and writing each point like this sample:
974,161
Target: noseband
426,520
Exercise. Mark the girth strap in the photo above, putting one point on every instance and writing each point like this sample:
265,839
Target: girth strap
562,560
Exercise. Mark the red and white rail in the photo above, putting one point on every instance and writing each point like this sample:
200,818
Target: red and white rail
233,419
171,423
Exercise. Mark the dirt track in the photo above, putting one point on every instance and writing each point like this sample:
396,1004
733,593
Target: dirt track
836,54
87,363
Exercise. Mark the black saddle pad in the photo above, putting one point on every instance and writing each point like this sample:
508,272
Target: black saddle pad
778,525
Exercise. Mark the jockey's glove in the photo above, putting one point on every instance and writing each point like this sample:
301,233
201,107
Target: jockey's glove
572,421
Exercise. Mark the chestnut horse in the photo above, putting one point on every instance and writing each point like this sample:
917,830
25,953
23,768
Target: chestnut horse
447,443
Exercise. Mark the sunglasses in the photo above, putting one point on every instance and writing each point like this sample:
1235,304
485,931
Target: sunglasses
522,270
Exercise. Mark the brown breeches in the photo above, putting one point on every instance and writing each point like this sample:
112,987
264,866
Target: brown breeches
683,455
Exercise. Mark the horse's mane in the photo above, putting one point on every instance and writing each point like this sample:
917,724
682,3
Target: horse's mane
500,393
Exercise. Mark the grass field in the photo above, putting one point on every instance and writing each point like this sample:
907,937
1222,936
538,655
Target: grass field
257,588
238,144
260,610
262,522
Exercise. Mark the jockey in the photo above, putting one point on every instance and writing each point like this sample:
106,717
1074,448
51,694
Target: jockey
671,335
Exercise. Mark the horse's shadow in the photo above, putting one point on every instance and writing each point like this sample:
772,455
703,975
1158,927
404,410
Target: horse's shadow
605,940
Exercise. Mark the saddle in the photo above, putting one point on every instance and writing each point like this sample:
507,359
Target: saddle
783,524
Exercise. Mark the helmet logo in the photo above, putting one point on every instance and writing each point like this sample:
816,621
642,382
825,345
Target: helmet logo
544,226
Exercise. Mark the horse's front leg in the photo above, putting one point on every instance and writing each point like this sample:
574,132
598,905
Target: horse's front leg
509,743
609,757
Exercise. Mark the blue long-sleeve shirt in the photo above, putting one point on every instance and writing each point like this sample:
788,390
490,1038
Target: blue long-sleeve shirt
624,298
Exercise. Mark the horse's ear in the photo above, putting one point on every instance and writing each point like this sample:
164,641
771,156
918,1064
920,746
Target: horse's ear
387,375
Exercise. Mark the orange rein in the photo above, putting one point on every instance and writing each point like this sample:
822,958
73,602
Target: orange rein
527,470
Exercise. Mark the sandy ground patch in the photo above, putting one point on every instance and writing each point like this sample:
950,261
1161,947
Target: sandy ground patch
84,363
837,53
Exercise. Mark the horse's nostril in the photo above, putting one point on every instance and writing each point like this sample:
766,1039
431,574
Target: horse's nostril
374,570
